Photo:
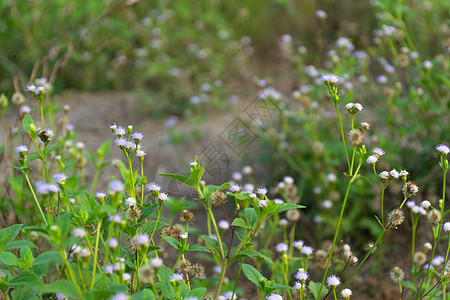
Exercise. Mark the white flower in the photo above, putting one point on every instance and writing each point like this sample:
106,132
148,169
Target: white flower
333,281
327,204
427,65
143,239
331,78
153,187
427,246
163,197
425,204
236,176
130,202
79,233
346,293
298,244
126,277
156,263
274,296
120,296
394,174
443,149
176,277
331,177
307,250
262,203
281,247
234,188
247,170
384,175
446,227
378,151
321,14
223,224
301,275
372,159
288,180
113,242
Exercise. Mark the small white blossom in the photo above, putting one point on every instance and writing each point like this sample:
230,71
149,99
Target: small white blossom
307,250
223,224
446,227
443,149
281,247
333,281
394,174
262,203
425,204
156,263
143,239
79,233
346,293
130,202
372,159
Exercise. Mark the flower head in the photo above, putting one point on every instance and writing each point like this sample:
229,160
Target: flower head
446,227
443,149
176,277
301,275
307,250
397,274
163,197
346,293
333,281
143,239
281,247
372,159
261,191
274,296
378,151
60,177
153,187
115,186
22,149
137,137
234,188
79,233
130,202
329,78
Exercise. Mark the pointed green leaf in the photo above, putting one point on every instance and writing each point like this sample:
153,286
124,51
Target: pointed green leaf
253,275
25,278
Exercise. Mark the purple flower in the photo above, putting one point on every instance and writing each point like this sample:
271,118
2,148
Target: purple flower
120,142
115,186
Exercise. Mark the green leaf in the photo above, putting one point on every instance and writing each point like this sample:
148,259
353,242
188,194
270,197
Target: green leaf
164,284
173,242
209,189
199,248
89,201
25,278
26,258
145,294
253,254
181,178
61,286
314,287
253,275
250,216
197,292
410,285
239,222
24,293
20,244
51,148
103,149
286,206
212,244
150,225
9,259
26,122
47,257
8,234
177,205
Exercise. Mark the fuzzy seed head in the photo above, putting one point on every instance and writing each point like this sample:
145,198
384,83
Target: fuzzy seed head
397,274
410,189
396,217
293,215
198,271
420,258
184,266
356,136
187,216
434,217
218,198
146,274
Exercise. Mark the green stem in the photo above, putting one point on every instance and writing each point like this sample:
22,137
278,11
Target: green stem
42,114
222,277
237,278
336,234
219,240
96,253
35,199
342,135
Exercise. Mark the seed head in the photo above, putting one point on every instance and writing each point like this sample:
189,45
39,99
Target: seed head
420,258
434,217
187,216
356,136
396,217
184,266
198,271
46,135
146,274
293,215
365,126
218,198
397,274
410,189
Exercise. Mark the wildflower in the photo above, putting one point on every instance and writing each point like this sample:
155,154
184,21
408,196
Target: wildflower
184,236
223,224
274,296
60,178
84,253
143,239
218,198
394,174
396,217
281,247
307,250
120,296
333,281
176,277
321,14
327,204
115,187
329,78
126,277
22,149
353,108
437,261
301,275
404,174
46,135
420,258
140,154
236,176
410,203
298,244
163,197
129,145
446,227
283,223
378,152
153,187
278,201
117,218
288,180
298,285
443,149
261,191
262,203
384,176
113,243
434,217
427,65
120,131
156,263
234,188
346,293
79,233
397,274
137,137
365,126
425,204
25,109
252,195
410,189
371,160
427,247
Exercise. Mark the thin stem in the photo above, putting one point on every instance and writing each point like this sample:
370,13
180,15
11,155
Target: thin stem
237,277
342,135
96,253
336,235
219,240
35,199
222,277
